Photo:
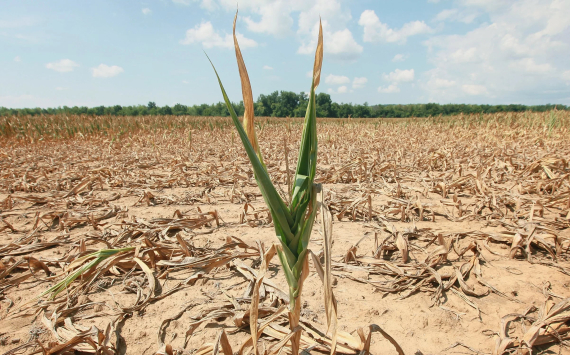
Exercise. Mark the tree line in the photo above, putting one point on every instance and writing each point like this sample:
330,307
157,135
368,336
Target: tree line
287,103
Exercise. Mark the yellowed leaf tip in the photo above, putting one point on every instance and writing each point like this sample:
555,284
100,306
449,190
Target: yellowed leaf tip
247,94
318,58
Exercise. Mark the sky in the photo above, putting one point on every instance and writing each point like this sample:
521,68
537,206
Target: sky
107,52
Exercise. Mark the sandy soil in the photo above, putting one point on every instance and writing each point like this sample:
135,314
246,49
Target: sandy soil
176,176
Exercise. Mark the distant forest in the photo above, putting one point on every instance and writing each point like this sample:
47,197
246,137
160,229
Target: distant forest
287,103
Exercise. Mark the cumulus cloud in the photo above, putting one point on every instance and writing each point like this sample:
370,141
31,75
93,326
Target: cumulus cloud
455,15
376,31
464,55
106,71
399,58
146,11
332,79
392,88
517,54
340,90
528,65
442,83
62,66
474,89
277,18
339,44
205,34
358,83
342,45
209,5
399,75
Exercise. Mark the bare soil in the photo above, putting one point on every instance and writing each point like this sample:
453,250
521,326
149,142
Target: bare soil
480,189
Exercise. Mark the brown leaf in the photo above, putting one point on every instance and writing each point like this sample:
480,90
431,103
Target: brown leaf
248,124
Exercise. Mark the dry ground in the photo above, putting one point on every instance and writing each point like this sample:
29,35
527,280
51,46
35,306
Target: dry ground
445,231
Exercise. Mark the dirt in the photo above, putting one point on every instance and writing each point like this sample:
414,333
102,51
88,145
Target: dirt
212,175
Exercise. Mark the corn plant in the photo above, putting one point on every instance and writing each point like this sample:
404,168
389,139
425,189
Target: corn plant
97,256
293,223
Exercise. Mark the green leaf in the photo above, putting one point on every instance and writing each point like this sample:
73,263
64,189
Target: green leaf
307,162
279,210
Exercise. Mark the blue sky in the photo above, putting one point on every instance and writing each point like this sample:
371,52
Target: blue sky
55,53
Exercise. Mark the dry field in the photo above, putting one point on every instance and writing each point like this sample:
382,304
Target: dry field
450,234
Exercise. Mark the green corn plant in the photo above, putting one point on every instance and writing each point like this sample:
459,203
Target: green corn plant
294,222
97,256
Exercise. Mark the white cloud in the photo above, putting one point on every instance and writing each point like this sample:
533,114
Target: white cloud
267,67
275,19
376,31
392,88
446,14
465,16
17,59
146,11
340,90
185,82
209,5
464,55
358,83
59,88
105,71
528,65
332,79
204,33
442,83
62,66
399,76
279,17
339,44
399,58
474,89
342,45
566,75
517,54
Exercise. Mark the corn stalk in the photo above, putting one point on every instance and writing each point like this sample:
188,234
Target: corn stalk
294,222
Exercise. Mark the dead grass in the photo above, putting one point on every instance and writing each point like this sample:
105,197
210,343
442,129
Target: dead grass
431,209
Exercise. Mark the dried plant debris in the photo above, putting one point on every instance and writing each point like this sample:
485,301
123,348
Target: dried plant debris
143,237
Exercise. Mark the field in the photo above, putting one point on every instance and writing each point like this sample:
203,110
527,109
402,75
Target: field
450,234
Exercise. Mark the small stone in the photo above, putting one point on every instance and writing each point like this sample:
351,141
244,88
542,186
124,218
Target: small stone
360,274
82,299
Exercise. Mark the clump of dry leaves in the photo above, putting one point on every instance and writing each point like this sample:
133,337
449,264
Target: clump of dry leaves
443,199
